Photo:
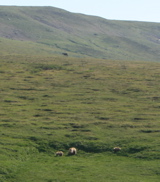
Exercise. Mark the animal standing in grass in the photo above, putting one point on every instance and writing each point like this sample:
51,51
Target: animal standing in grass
59,153
116,149
72,151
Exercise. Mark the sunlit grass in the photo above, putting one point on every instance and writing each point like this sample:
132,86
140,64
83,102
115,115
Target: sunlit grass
53,103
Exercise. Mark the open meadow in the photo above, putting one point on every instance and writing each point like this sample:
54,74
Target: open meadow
51,103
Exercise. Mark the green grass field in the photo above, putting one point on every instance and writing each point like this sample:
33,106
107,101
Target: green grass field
51,103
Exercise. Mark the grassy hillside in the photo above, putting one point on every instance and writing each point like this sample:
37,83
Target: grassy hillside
51,103
53,31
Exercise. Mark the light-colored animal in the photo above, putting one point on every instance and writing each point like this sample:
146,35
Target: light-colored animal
72,151
116,149
59,153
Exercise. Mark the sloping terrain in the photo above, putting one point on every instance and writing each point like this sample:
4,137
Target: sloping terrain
50,102
53,103
48,30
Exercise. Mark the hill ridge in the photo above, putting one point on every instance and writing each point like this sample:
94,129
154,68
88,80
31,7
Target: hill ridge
53,31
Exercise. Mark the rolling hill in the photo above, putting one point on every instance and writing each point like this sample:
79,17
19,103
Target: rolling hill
49,30
95,99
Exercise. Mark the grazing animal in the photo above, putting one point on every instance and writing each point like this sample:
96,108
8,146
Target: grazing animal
72,151
59,153
65,54
116,149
